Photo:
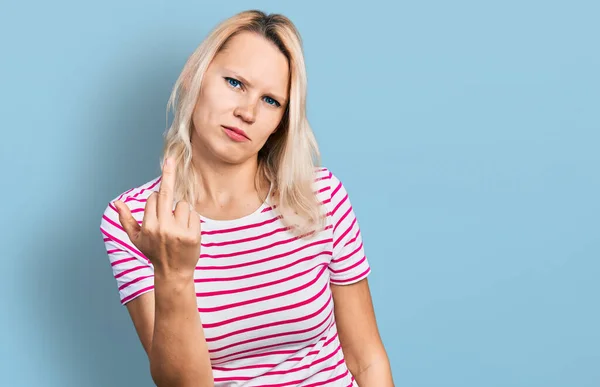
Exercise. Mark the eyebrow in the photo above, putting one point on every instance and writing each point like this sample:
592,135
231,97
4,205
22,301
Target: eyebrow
279,98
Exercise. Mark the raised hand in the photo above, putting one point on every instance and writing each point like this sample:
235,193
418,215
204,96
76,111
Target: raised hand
170,240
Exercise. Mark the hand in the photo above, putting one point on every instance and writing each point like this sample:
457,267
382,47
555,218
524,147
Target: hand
171,241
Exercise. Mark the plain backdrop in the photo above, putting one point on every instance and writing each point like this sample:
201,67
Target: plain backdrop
466,132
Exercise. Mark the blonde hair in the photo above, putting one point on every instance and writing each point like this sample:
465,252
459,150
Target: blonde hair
289,157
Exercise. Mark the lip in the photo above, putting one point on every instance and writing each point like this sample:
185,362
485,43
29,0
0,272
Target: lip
236,134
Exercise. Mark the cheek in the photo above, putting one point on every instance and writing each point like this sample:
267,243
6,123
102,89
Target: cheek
270,118
212,105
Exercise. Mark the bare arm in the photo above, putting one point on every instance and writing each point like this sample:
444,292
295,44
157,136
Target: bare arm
168,325
167,319
362,347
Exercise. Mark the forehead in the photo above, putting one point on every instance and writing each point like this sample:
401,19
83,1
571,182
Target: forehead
256,59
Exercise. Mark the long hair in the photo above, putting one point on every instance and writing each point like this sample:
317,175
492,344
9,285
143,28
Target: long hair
290,155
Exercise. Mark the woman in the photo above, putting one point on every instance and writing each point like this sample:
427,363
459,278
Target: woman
243,264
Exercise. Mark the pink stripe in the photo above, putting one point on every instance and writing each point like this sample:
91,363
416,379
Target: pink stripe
349,267
363,274
326,201
255,366
353,239
245,240
114,239
115,263
332,379
271,324
264,354
249,367
131,198
250,251
273,257
125,193
337,260
134,281
132,210
267,311
274,335
296,382
121,274
340,220
336,190
296,369
149,188
263,285
345,233
265,298
259,273
281,344
132,295
267,365
286,352
344,199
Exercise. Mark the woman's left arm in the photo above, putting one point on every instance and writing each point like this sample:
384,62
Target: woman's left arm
357,329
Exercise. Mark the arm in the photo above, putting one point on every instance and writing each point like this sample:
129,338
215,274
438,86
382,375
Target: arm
167,321
355,319
357,329
168,325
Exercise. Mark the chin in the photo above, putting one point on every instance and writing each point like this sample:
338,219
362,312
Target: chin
230,154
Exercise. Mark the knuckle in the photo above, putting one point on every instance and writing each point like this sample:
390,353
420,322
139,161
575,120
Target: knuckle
146,231
196,238
163,231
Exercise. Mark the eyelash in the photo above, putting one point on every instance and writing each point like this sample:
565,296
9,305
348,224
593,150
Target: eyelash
234,83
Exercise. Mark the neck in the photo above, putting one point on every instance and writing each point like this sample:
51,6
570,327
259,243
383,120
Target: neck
220,183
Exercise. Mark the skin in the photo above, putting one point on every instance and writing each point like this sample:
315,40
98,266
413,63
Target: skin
256,105
246,86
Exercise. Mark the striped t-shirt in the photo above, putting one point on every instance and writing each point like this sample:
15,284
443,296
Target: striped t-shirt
263,294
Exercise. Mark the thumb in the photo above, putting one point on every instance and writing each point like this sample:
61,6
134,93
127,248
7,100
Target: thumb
130,225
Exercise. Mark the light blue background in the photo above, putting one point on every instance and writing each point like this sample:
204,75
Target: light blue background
466,132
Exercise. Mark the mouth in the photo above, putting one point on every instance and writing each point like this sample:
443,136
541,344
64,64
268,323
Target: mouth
235,133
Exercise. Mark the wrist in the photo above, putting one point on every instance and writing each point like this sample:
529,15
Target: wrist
173,283
172,277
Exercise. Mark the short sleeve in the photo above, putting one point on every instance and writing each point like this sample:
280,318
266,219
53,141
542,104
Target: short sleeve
349,263
132,270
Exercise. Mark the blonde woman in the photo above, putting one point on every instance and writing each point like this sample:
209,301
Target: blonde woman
243,263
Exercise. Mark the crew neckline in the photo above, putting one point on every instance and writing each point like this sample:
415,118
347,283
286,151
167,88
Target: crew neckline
265,204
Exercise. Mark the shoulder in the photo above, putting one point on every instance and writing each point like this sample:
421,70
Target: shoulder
135,198
138,194
330,191
326,182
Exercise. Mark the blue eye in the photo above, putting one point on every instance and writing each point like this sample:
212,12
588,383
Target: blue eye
271,101
233,82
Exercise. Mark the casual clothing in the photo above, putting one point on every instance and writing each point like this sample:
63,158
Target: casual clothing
263,295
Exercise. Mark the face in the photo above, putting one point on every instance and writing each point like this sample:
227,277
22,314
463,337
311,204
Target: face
242,100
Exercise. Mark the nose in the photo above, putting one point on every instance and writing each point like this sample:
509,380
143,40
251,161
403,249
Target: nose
246,110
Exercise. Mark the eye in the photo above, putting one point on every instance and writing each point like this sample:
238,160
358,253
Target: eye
233,82
271,101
